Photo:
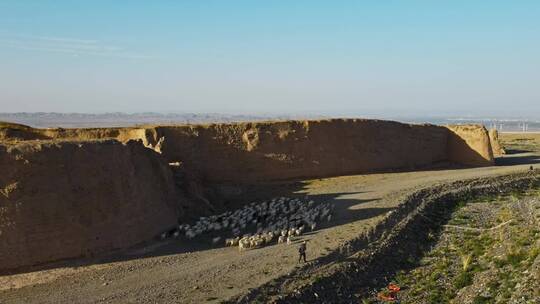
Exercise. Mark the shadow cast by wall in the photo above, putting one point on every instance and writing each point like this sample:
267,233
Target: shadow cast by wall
518,159
156,248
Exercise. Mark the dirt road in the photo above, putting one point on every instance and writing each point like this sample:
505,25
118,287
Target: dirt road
191,272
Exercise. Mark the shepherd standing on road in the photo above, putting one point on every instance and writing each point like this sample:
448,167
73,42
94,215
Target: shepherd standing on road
302,252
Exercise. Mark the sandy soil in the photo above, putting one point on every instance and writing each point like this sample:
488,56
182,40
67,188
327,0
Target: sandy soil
180,271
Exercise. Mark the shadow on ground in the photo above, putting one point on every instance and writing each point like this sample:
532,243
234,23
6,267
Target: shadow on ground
155,248
518,159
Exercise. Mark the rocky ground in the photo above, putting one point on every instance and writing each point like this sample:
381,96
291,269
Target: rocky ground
487,253
182,271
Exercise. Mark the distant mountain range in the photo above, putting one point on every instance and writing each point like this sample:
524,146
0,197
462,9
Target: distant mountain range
82,120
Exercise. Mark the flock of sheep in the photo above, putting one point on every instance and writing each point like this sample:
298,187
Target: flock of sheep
259,224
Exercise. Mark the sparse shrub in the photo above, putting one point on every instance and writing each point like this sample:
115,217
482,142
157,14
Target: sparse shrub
523,242
460,205
516,195
469,234
493,285
401,278
514,258
416,290
435,275
463,216
462,280
436,296
504,215
475,246
506,294
442,266
500,263
533,253
458,221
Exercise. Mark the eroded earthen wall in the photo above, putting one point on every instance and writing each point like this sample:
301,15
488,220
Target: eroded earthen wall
70,199
260,151
248,152
496,145
470,145
65,194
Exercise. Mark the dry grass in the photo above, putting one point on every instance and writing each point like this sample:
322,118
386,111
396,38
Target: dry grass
466,260
520,141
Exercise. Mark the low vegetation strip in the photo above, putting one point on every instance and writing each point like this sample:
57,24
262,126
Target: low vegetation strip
486,265
367,263
479,229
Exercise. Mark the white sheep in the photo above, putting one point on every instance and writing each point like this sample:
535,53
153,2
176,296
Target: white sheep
284,218
229,242
269,237
243,244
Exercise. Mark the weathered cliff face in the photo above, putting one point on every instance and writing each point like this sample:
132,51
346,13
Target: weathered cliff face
248,152
69,199
498,150
470,145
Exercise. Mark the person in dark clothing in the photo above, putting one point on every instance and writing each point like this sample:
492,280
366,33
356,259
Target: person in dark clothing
531,168
302,252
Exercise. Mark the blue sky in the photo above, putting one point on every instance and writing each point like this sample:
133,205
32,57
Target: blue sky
342,58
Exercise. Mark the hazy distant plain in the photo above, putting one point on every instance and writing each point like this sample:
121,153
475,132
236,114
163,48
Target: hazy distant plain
84,120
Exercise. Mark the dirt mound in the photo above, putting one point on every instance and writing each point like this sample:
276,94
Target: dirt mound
69,199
